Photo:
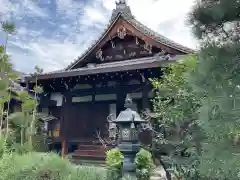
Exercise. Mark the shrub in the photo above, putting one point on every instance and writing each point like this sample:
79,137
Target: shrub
45,166
114,162
2,146
144,164
22,149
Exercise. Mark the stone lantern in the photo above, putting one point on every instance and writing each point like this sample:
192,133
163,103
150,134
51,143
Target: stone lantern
125,128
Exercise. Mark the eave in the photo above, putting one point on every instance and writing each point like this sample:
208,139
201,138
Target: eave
141,63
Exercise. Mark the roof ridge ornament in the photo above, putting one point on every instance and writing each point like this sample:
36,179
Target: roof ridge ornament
123,9
120,4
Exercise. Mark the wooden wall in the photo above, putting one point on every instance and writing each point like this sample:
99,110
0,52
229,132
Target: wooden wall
86,118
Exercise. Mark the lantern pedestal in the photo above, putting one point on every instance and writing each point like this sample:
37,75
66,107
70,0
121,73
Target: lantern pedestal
126,128
129,151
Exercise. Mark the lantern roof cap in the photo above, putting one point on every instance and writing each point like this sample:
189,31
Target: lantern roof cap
129,115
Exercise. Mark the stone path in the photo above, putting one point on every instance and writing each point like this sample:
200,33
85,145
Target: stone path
158,174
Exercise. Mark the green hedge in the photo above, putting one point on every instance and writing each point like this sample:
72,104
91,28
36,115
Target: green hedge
45,166
144,164
114,162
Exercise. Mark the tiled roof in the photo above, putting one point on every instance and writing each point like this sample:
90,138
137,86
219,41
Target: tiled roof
158,37
124,11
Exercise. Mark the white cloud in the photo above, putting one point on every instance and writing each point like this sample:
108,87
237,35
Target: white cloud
81,23
69,9
20,9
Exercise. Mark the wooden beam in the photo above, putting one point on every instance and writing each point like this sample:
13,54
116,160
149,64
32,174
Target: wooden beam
145,90
107,90
64,145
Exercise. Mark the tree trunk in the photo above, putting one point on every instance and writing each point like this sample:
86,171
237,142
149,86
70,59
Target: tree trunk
6,41
8,107
22,135
33,116
1,122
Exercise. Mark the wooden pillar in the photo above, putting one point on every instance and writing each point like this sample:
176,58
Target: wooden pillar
64,145
121,95
145,91
64,123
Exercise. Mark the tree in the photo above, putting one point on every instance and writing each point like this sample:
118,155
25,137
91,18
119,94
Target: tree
5,83
37,90
24,122
6,77
216,80
216,21
9,28
176,109
6,70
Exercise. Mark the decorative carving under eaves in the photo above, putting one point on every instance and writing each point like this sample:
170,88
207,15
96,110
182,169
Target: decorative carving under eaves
111,84
137,42
161,53
144,52
99,55
167,57
132,46
99,85
148,47
121,32
113,44
132,54
91,65
119,56
108,57
163,56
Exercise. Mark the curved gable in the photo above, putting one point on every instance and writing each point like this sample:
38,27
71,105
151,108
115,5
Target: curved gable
122,21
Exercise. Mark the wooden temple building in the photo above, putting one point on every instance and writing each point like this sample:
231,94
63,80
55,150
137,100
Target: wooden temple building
82,96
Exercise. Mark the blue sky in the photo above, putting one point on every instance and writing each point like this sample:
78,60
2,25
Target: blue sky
52,33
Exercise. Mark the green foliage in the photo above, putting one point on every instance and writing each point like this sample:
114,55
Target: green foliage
39,143
38,89
114,158
216,80
176,108
2,146
21,148
144,164
218,86
38,70
8,27
216,20
41,166
175,101
114,162
23,124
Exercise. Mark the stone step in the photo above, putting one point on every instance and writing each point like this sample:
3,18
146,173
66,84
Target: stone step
89,147
98,163
97,154
157,178
88,157
90,151
159,171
